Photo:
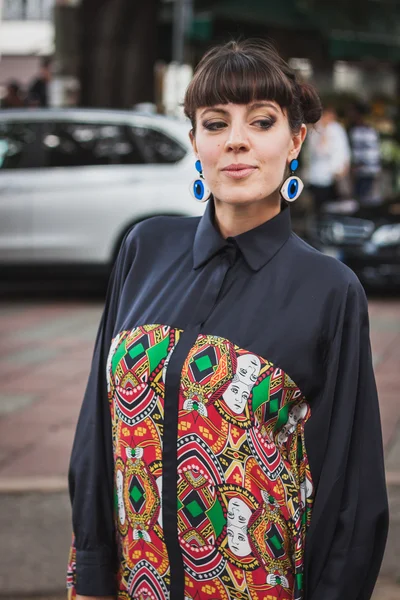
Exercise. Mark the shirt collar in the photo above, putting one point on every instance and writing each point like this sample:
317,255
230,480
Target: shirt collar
257,246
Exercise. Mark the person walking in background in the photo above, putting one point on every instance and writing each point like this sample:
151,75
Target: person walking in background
13,98
365,153
38,95
329,158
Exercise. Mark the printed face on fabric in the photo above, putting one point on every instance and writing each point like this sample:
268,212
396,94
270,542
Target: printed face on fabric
245,149
244,492
238,518
238,392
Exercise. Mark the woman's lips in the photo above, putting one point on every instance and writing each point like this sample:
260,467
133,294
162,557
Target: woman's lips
239,173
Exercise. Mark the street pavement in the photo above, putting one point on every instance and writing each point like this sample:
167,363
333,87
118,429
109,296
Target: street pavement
45,353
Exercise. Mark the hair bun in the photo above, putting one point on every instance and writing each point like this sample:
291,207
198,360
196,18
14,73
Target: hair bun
310,103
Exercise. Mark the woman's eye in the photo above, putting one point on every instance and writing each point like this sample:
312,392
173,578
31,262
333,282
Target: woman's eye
264,123
214,125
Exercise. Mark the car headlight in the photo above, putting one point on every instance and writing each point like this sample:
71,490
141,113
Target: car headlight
387,235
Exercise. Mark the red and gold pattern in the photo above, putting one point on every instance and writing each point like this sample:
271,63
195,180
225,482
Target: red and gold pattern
244,486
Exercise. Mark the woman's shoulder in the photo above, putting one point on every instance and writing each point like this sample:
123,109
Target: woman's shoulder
329,287
328,273
159,238
161,227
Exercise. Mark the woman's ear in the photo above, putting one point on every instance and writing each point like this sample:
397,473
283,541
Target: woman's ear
193,142
297,141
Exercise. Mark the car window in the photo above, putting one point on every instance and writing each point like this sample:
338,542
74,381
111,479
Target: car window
74,144
156,146
20,145
82,144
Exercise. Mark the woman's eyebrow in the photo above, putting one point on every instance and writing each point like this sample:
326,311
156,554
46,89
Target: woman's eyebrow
252,106
214,109
256,105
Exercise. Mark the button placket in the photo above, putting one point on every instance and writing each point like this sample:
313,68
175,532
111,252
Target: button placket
220,265
214,287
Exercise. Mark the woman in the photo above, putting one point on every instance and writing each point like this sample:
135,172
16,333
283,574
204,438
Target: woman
229,442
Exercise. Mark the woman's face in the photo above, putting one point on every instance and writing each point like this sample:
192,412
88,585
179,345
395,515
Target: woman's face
245,149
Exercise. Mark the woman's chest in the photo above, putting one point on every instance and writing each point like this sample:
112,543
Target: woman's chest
233,321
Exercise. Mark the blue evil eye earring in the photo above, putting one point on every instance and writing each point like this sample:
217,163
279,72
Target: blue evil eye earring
292,186
198,188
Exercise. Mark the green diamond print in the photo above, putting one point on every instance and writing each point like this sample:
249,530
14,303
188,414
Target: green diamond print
275,542
194,508
136,494
274,405
136,350
203,363
299,579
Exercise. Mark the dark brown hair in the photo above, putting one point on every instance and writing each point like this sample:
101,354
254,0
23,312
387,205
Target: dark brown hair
249,70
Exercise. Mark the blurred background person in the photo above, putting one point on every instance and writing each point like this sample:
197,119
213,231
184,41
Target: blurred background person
365,154
328,158
13,97
38,95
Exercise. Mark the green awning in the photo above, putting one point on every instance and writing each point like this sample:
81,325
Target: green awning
350,47
374,38
273,13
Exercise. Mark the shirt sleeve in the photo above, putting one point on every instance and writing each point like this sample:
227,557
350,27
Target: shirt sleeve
92,563
348,530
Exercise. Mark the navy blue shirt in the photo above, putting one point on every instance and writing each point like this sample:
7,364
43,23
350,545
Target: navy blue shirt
229,442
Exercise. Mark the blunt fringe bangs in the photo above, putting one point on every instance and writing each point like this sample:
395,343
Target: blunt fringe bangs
247,71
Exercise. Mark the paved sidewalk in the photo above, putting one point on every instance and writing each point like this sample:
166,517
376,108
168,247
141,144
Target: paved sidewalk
45,353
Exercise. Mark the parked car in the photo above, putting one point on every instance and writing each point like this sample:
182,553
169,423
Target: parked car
366,238
73,181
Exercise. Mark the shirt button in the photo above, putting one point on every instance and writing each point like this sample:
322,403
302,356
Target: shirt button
232,253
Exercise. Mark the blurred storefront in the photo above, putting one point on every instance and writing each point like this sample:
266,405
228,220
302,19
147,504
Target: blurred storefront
365,33
26,35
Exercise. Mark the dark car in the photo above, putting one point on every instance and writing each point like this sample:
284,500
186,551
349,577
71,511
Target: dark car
367,239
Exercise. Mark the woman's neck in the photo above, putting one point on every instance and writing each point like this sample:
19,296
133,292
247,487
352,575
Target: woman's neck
234,219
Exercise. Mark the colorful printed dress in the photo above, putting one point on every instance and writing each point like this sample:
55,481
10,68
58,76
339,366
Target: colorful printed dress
229,444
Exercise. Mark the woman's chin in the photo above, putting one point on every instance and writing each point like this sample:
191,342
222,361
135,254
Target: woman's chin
241,195
237,199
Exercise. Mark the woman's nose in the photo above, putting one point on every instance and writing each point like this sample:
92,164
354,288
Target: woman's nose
237,140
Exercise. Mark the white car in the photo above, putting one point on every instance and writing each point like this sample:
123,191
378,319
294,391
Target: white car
73,181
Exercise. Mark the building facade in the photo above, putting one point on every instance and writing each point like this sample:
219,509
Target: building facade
26,35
